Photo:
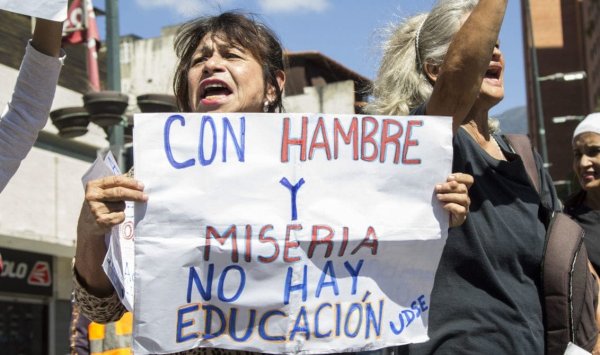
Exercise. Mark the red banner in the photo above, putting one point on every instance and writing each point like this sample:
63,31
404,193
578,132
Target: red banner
79,30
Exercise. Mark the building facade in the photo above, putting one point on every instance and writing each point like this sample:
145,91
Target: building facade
566,39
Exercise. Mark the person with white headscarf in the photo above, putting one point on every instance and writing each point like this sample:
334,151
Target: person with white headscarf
584,205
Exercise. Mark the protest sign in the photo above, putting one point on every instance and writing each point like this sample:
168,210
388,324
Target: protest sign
287,233
55,10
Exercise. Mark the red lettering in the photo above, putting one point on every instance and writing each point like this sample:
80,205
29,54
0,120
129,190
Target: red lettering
320,128
367,138
290,244
271,240
344,242
248,251
326,240
231,232
409,142
348,138
287,141
394,139
368,243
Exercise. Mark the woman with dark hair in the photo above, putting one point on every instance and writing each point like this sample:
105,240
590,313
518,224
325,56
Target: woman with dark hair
486,294
227,63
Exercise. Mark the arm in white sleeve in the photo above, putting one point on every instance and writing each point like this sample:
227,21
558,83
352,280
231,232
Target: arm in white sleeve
27,112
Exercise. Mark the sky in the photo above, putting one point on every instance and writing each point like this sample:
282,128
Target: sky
348,31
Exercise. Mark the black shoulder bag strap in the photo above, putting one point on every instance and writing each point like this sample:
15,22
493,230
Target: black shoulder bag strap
521,145
569,307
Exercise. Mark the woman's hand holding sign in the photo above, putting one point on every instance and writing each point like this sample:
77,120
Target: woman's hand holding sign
105,201
454,195
103,208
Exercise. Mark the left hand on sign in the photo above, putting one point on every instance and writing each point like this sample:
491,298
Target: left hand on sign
454,195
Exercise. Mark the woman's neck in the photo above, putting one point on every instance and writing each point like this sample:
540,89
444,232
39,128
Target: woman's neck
476,124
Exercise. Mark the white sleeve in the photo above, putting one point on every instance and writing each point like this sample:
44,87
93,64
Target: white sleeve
27,112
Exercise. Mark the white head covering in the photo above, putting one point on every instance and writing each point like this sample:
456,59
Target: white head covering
590,124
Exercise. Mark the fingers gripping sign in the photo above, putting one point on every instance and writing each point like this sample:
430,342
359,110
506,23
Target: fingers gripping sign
454,195
105,199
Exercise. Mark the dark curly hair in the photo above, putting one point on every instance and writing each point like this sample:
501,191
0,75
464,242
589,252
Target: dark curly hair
242,30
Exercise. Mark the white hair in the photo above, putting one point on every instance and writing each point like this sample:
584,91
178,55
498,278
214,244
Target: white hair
401,84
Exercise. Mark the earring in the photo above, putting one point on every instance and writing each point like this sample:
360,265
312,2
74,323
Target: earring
266,106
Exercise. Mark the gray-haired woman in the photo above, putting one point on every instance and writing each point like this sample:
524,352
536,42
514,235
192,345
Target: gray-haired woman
486,291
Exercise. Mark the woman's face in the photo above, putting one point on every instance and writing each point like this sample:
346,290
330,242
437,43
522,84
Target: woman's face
586,162
225,78
492,86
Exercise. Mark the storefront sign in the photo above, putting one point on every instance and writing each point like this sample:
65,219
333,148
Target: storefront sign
24,272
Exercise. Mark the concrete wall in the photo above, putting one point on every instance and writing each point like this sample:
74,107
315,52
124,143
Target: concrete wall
147,67
331,98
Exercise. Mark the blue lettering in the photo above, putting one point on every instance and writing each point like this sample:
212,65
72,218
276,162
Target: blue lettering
167,141
407,316
181,324
241,286
415,307
203,160
353,307
289,287
328,270
293,190
208,321
262,325
194,278
354,273
372,320
249,328
240,146
422,303
338,319
318,334
397,330
298,328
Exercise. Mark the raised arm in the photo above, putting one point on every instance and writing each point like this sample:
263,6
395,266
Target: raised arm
458,80
30,104
47,37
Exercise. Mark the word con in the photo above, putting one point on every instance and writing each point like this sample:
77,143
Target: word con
207,128
372,137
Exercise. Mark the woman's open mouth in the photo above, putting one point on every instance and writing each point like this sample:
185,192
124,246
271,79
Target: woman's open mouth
493,74
213,91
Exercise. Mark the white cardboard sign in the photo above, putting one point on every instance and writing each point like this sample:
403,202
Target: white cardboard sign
287,233
55,10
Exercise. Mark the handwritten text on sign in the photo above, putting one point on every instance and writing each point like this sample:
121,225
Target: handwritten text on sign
287,232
